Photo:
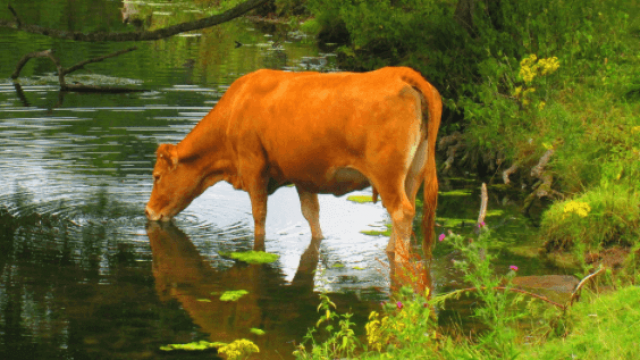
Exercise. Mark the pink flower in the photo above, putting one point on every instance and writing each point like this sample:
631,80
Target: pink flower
441,237
399,304
513,267
481,224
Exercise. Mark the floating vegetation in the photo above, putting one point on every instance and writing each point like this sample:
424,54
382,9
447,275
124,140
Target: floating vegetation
194,346
233,295
257,331
378,232
360,198
462,192
252,257
204,300
358,268
337,265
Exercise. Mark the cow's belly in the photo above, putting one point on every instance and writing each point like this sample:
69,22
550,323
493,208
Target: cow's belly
338,181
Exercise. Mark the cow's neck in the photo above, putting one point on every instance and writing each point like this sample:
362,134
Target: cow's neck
206,149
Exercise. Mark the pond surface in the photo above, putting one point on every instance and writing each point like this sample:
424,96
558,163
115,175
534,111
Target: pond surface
82,273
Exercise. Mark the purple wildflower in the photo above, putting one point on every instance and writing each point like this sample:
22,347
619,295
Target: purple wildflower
399,304
513,267
481,224
441,237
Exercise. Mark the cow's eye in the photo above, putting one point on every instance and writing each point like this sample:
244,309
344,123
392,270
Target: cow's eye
156,177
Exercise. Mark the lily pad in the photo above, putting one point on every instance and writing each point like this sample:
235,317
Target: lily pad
337,265
194,346
358,268
360,198
252,257
233,295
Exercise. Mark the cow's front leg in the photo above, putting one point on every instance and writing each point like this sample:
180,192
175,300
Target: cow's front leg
258,195
311,212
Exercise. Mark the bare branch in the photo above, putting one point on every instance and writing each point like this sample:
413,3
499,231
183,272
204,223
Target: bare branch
576,292
15,15
81,65
138,35
508,172
62,71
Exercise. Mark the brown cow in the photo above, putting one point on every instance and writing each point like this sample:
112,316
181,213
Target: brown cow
325,133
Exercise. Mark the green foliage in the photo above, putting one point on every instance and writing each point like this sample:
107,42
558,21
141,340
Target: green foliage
257,331
233,295
341,341
252,257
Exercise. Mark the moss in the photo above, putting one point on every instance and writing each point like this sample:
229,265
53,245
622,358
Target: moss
233,295
360,198
252,257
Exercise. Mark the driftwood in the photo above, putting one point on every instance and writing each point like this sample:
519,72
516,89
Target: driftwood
134,36
62,72
452,143
543,187
505,174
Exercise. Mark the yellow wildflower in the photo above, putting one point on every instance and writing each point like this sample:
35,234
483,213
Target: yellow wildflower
239,349
582,209
541,105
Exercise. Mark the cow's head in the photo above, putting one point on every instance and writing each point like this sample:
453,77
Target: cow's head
175,184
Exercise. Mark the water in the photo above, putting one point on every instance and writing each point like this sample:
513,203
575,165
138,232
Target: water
82,273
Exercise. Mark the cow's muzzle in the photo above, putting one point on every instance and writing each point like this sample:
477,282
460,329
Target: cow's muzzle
153,216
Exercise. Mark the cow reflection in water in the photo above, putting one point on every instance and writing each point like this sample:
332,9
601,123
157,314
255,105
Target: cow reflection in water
283,310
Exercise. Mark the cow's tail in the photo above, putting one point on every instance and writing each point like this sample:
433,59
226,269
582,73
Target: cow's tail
432,113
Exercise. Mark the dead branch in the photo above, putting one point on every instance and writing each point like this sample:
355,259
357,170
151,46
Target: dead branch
484,198
505,174
15,15
62,72
538,169
138,35
576,292
81,65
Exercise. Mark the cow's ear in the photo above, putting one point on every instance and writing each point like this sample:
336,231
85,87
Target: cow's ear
168,153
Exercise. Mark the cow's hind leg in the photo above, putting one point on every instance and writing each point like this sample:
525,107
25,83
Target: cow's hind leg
311,212
402,212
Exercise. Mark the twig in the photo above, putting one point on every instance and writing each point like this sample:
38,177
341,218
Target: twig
508,172
81,65
15,15
484,198
576,292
